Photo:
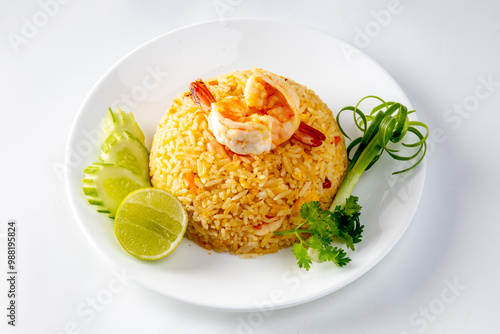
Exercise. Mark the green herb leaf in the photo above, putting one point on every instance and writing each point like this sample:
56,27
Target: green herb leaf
351,207
334,254
300,252
311,211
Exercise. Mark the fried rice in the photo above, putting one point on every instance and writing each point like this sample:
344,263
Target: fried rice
231,197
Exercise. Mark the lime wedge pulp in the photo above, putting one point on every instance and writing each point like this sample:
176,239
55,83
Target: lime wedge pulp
150,223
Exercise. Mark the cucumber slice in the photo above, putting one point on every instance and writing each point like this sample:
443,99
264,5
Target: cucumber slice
120,120
125,150
106,185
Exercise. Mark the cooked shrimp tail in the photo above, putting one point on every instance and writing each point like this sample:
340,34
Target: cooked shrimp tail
262,118
201,94
308,135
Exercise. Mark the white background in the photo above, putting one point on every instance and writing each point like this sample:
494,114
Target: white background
443,275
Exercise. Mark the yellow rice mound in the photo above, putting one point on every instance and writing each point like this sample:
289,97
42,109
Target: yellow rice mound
228,196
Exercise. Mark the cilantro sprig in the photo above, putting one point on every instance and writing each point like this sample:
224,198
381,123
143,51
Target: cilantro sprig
385,126
324,227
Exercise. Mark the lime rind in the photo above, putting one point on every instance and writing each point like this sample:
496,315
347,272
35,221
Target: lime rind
150,223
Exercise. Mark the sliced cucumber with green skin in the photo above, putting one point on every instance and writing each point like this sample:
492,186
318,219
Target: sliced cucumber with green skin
120,120
125,150
106,185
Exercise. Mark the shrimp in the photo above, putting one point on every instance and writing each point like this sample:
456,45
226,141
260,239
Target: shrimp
268,225
308,135
201,94
266,116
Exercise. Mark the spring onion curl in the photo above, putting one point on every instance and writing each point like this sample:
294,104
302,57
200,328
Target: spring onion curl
385,126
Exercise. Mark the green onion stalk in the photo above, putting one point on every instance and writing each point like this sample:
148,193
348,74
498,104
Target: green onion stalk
387,124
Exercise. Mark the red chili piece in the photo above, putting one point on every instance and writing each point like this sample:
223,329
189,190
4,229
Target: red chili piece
327,184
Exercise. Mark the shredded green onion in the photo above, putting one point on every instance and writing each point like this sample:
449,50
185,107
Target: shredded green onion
386,125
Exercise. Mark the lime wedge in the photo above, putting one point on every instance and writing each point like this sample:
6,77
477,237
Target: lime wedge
150,223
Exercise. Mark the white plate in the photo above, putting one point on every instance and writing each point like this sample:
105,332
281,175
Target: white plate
147,80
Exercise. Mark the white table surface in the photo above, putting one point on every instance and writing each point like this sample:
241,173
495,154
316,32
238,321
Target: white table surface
442,276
